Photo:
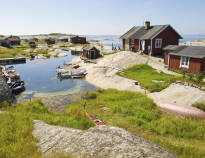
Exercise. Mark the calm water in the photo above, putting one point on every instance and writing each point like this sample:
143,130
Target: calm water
40,78
116,43
40,75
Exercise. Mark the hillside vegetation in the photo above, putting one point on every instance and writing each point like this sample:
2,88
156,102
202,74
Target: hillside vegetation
16,140
131,111
148,77
11,53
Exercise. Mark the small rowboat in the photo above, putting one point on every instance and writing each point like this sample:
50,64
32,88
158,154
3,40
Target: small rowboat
95,120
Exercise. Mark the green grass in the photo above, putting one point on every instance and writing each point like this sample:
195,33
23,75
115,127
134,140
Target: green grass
131,111
138,114
79,45
200,106
146,75
16,140
113,52
21,47
190,77
11,53
47,55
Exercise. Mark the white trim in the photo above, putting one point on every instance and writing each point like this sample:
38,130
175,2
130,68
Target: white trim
151,48
168,59
184,65
158,45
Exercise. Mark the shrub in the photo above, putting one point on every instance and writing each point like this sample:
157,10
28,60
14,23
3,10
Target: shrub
47,55
190,75
33,45
91,95
199,105
184,74
199,77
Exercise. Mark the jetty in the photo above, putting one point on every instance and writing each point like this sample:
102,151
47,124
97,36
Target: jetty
11,61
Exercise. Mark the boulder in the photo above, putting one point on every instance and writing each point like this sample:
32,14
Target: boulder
99,141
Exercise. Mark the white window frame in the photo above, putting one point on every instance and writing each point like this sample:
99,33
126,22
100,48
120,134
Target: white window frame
158,43
184,62
132,42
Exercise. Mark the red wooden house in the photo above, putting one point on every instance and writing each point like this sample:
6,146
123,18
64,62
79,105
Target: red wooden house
91,52
189,58
150,39
78,40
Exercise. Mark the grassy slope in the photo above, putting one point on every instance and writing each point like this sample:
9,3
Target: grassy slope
113,52
11,53
138,114
145,75
200,106
129,110
16,140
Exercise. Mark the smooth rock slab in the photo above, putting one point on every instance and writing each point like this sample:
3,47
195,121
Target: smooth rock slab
99,141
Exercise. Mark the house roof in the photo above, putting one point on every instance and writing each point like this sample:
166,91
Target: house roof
13,38
77,37
139,32
188,51
89,48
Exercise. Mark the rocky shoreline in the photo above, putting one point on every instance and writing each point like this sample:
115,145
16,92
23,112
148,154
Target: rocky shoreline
5,92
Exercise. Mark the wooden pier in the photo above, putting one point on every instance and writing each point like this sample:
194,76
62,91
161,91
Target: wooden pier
11,61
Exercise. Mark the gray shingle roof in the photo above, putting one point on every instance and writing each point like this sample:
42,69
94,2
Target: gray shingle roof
188,51
89,48
139,32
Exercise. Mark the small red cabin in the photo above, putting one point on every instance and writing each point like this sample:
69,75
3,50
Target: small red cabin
188,58
150,39
91,52
78,40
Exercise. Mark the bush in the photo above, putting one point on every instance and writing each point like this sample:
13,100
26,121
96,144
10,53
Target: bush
33,45
91,95
190,75
47,55
199,77
200,106
184,73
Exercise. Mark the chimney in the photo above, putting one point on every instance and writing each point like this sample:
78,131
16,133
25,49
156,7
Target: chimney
147,25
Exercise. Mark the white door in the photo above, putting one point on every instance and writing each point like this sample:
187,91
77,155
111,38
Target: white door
127,44
142,45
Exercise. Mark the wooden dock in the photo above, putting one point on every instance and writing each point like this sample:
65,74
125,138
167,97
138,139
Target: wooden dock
11,61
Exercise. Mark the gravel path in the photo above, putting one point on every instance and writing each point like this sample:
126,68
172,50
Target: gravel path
99,141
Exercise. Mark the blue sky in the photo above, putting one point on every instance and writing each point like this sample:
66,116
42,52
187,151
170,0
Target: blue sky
102,17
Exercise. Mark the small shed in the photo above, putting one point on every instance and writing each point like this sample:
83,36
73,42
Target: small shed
91,52
50,41
4,43
35,39
63,39
13,40
78,40
189,58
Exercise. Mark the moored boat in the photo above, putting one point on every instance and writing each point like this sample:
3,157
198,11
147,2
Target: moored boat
17,87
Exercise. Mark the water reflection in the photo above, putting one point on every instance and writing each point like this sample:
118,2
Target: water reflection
41,81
